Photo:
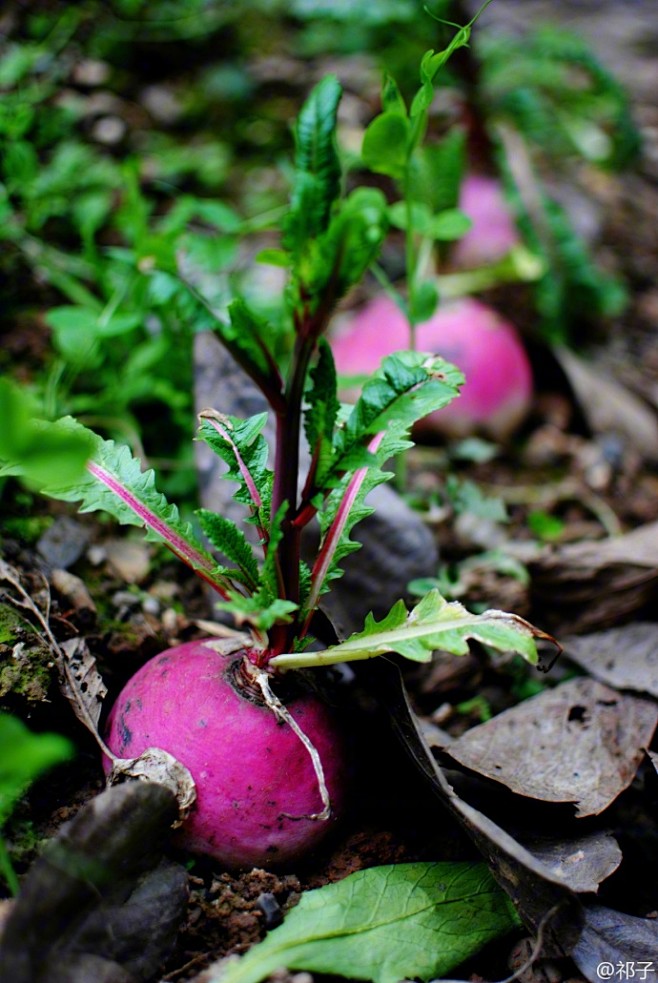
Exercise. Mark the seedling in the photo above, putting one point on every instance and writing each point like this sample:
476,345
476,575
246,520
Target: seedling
263,750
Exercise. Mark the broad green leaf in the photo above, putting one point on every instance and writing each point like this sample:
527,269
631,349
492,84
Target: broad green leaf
447,225
226,537
75,332
434,624
38,451
436,172
335,261
23,756
450,224
392,99
385,924
423,301
317,168
385,147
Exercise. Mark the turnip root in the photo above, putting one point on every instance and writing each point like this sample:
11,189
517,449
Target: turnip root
493,232
257,788
498,390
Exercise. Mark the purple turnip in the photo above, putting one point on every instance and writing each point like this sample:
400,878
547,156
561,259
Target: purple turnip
258,798
493,233
498,390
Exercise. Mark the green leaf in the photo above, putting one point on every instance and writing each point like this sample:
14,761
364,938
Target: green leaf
115,483
323,407
392,100
437,170
450,224
245,339
423,301
352,241
346,505
74,332
434,624
226,537
24,756
264,607
241,445
317,168
38,451
385,924
407,387
385,147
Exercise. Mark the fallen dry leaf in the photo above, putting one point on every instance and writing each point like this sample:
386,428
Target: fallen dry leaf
625,657
608,406
613,940
582,863
581,742
590,585
82,684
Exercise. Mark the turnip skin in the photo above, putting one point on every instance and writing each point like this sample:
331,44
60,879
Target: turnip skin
249,768
493,232
498,391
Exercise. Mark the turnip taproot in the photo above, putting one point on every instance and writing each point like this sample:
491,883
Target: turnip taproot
498,390
493,232
257,789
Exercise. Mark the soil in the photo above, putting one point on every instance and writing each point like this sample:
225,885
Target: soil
130,601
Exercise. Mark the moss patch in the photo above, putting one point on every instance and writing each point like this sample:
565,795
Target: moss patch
27,667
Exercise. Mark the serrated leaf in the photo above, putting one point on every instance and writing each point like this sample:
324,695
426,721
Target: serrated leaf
385,148
407,387
264,607
346,506
400,921
434,624
323,407
241,445
245,337
115,483
352,241
317,168
226,537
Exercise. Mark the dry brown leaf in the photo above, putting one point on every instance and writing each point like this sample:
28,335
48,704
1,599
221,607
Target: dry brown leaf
608,406
583,586
625,657
82,684
582,863
581,742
